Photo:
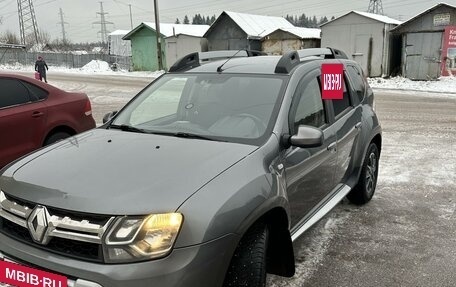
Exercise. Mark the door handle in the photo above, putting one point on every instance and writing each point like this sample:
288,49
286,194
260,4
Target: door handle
358,126
332,147
37,114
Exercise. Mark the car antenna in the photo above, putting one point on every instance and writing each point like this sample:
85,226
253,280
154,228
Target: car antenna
219,69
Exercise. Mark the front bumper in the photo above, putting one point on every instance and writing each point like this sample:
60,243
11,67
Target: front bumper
199,265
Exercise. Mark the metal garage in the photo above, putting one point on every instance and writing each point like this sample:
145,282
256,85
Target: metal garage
422,38
365,37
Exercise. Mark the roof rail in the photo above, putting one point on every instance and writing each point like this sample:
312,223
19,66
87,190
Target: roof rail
196,59
292,59
287,62
326,53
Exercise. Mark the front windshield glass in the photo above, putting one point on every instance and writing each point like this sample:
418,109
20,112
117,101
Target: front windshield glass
216,106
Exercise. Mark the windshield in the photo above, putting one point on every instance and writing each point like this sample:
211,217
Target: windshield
212,106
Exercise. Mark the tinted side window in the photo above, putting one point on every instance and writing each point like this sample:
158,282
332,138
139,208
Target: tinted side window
35,92
342,105
13,93
310,110
358,81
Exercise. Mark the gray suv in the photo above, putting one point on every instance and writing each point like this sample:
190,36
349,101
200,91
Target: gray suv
205,178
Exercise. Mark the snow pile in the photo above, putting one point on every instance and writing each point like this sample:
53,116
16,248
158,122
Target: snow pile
96,66
443,85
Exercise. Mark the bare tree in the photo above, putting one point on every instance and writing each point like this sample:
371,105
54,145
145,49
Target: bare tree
9,38
43,38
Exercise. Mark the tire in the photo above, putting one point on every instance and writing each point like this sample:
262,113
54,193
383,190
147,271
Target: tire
56,137
364,190
248,265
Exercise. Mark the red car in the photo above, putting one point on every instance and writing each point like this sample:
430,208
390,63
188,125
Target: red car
34,114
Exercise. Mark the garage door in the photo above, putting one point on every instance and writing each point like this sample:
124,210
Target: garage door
423,55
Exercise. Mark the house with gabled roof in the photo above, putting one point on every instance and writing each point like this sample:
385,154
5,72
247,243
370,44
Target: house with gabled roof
234,31
283,40
177,40
366,38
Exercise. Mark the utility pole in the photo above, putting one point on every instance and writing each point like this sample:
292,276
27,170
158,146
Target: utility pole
104,32
375,6
131,17
62,23
157,29
27,21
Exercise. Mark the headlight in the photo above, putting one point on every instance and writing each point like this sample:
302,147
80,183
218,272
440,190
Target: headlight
134,239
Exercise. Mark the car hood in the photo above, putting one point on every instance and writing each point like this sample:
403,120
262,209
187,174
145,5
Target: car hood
120,173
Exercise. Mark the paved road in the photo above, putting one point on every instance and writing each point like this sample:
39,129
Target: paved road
406,236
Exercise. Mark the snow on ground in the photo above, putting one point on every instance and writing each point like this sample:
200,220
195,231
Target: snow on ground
442,85
96,67
446,86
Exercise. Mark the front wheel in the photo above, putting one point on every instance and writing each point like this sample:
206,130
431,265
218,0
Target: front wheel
365,189
248,265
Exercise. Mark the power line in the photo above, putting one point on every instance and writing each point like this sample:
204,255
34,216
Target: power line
62,23
27,20
375,6
104,31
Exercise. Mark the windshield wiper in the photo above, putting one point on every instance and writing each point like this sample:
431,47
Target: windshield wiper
127,128
193,136
185,135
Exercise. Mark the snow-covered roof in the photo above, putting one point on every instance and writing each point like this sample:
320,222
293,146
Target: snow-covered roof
422,13
257,26
380,18
168,30
377,17
303,33
119,32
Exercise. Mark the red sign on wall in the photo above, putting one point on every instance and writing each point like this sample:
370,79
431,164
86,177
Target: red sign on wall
332,81
449,52
23,276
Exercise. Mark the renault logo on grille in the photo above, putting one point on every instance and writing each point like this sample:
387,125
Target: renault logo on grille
38,224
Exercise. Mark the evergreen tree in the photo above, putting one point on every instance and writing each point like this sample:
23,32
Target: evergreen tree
213,18
177,21
186,21
323,20
290,19
332,18
314,22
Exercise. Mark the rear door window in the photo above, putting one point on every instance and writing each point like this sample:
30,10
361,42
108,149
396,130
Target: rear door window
35,92
340,106
13,93
357,80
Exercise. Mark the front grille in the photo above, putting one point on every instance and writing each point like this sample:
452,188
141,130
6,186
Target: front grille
67,233
70,248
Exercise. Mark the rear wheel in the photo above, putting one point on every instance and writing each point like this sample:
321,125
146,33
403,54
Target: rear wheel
248,265
365,189
56,137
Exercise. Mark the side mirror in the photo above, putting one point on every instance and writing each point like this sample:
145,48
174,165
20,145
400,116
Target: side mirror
307,137
109,116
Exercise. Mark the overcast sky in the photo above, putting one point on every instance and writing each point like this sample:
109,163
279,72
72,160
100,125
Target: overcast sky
80,14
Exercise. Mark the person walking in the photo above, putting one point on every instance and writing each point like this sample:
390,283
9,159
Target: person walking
41,67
